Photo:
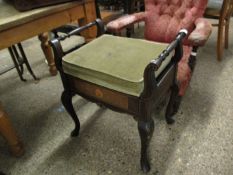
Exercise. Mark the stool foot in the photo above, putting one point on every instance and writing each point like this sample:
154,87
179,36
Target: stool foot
145,129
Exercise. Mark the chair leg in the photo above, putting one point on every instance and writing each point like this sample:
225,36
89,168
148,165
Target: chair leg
19,58
18,67
8,132
26,61
173,104
66,99
220,44
227,33
145,129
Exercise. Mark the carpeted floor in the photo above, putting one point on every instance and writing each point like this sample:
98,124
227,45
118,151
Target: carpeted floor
199,143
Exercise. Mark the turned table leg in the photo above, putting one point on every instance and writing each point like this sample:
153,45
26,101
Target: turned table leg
44,38
9,134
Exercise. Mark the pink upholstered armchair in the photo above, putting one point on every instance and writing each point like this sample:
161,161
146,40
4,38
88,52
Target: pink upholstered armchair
163,20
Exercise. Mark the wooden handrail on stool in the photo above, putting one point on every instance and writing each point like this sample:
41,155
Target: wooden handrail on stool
9,134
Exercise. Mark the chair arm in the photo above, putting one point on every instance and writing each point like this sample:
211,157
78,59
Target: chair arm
201,32
117,25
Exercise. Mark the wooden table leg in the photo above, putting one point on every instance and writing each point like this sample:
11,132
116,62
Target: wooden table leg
9,134
90,16
44,38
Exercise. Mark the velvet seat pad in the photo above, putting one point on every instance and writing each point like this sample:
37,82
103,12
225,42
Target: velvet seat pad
115,62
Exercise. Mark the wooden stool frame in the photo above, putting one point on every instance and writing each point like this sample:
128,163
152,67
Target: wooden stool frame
155,89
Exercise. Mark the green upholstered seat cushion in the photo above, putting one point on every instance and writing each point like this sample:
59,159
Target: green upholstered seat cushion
117,63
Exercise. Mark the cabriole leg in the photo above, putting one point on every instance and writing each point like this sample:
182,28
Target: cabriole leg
173,105
145,129
66,99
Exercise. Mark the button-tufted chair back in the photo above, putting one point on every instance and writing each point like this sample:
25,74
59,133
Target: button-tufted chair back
166,17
